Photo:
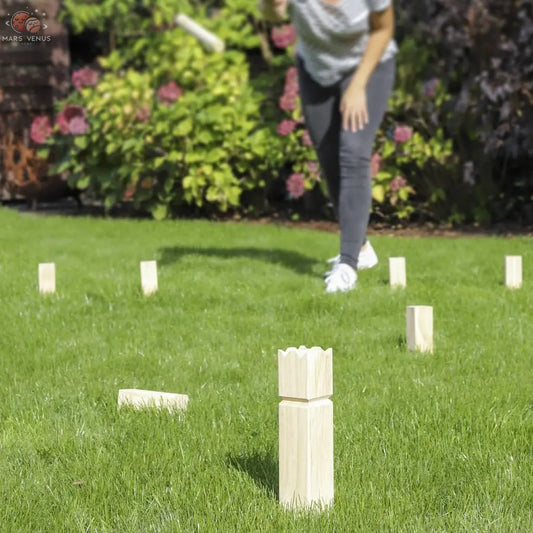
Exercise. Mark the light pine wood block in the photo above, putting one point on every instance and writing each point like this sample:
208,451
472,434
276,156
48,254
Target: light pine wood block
513,271
142,399
397,273
149,277
207,38
305,428
305,373
47,278
419,319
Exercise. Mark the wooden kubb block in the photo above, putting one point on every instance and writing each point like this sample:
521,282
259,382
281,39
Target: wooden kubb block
149,277
397,272
305,379
142,399
47,278
513,271
419,322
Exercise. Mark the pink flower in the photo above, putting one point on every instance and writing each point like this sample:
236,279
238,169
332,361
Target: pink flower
143,113
84,77
375,165
291,76
291,88
68,113
429,89
129,193
306,138
285,127
295,185
312,166
288,102
397,183
283,36
78,126
41,129
291,81
402,134
169,93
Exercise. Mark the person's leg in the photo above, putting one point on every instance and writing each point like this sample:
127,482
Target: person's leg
320,106
355,152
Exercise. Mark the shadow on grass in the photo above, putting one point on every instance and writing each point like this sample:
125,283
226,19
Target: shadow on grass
261,467
401,342
302,264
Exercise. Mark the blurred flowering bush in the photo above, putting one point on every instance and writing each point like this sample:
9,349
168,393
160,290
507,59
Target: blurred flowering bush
180,129
479,54
162,124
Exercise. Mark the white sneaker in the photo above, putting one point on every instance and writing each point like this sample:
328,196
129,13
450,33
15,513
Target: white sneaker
342,278
367,258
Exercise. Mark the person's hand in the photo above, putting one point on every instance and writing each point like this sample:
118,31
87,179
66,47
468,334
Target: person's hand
353,108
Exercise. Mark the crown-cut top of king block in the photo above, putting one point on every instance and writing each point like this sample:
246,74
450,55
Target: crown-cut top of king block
305,373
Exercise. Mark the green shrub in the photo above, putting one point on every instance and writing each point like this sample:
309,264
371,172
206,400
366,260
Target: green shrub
414,166
203,145
219,133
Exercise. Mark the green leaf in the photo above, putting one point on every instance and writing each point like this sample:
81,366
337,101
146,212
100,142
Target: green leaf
130,143
110,148
110,201
183,128
388,149
83,183
81,142
43,153
159,211
378,193
403,193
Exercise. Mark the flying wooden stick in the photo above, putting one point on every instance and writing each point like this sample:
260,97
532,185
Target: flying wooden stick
208,39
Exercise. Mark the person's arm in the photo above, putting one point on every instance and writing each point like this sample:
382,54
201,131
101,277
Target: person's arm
353,104
273,10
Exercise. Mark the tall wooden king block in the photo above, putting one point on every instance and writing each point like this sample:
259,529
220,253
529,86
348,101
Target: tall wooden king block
305,379
513,271
419,319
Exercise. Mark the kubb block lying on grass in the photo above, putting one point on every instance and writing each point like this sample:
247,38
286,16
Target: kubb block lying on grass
305,382
142,399
419,325
47,278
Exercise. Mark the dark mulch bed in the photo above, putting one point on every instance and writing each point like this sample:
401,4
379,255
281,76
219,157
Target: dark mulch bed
69,207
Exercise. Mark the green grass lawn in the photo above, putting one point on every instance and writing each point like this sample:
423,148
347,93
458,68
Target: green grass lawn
440,442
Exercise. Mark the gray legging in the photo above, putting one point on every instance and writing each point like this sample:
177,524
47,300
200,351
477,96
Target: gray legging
345,155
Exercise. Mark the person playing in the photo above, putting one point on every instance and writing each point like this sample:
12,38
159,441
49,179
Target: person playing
346,68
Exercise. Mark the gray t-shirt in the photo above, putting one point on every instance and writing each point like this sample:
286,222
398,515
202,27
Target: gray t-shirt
332,37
